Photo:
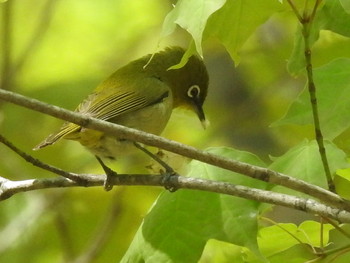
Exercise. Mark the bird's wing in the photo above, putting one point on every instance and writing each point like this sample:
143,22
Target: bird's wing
110,102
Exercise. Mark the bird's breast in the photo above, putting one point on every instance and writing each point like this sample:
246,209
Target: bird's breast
151,119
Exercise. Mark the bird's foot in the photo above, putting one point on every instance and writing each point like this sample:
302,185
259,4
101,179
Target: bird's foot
169,172
167,181
110,174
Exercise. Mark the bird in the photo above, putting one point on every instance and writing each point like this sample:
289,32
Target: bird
139,95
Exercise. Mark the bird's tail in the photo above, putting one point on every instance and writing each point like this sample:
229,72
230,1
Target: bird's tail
67,129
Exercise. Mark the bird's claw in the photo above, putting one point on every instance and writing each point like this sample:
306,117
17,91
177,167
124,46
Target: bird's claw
166,181
108,183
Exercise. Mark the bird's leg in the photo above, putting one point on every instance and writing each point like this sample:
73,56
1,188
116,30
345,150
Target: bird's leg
169,172
167,168
108,185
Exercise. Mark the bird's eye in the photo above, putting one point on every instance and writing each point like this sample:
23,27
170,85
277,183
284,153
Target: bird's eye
193,91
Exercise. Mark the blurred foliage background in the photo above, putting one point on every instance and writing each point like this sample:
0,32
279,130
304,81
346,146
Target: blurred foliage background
57,51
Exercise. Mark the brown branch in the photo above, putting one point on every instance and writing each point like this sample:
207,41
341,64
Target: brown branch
9,188
116,130
313,96
306,21
38,163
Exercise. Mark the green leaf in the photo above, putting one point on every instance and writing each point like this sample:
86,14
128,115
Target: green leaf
296,62
304,162
308,233
191,15
342,183
179,225
331,17
222,252
232,22
332,83
191,50
337,238
297,240
346,5
237,20
344,173
339,241
295,254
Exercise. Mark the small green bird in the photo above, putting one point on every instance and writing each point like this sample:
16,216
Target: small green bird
140,95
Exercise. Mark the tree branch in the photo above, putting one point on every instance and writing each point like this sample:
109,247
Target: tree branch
38,163
306,21
116,130
307,25
9,188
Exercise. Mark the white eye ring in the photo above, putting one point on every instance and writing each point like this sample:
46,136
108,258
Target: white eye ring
193,88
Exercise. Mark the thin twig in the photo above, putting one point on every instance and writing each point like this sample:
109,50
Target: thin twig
322,233
295,10
9,188
337,251
307,21
116,130
307,25
314,10
38,163
336,226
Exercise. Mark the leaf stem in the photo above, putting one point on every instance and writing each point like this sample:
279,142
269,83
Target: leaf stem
306,20
336,226
283,229
295,10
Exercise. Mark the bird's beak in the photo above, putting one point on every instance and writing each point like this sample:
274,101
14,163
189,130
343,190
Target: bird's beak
200,113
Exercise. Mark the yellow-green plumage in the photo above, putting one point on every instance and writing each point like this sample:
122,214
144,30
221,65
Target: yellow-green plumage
140,95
